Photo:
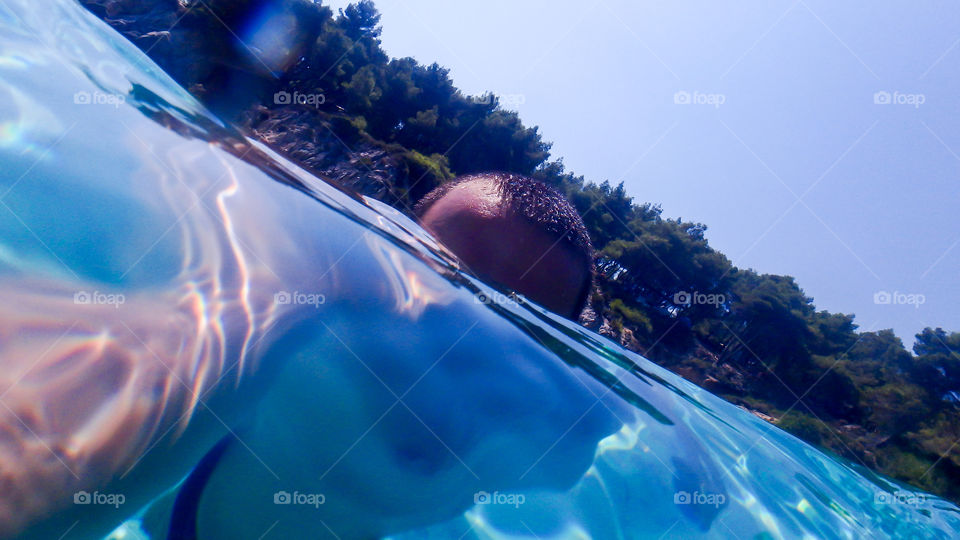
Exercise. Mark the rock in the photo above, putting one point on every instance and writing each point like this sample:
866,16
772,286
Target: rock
628,341
589,318
327,147
607,330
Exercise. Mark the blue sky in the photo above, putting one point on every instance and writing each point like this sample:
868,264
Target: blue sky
815,139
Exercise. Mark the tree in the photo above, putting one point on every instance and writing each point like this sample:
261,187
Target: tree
361,20
937,366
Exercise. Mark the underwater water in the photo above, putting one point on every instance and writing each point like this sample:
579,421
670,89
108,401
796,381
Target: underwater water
166,283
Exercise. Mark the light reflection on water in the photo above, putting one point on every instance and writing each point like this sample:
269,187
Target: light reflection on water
144,245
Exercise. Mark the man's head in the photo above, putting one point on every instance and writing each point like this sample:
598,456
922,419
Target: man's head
515,231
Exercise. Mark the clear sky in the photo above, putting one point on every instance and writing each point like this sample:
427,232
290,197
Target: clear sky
816,139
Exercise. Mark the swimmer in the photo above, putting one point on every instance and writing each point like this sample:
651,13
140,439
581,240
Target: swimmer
421,465
393,402
515,231
386,408
161,332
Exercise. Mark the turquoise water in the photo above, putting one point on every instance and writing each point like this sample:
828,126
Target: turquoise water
165,282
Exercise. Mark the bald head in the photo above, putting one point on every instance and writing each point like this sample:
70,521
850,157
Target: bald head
517,232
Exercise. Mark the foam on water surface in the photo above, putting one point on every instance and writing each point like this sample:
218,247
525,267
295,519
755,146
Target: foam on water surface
164,282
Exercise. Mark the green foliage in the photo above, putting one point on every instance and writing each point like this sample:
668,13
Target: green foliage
832,333
894,407
399,100
938,364
634,316
361,20
424,173
361,92
805,427
436,165
914,469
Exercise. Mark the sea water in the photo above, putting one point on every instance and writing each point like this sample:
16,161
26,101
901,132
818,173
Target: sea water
165,282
